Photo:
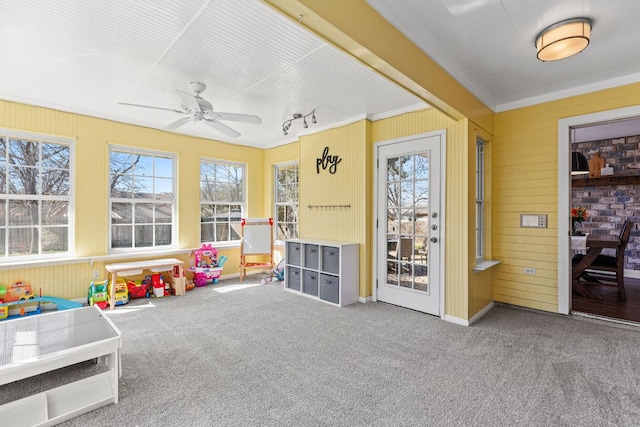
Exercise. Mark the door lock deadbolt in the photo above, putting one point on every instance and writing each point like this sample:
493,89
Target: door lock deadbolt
434,215
434,239
434,227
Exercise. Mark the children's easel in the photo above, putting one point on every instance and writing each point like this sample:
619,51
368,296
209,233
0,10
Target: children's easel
257,239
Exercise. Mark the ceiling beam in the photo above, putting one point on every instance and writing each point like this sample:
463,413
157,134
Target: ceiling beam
358,29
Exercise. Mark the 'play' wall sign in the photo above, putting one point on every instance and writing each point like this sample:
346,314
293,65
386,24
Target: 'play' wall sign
327,161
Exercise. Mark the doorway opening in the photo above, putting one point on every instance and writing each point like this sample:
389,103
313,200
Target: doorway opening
605,139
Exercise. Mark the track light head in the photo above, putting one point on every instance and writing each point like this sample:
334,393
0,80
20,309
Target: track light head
287,124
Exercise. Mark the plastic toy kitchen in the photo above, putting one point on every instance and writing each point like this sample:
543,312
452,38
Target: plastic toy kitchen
206,267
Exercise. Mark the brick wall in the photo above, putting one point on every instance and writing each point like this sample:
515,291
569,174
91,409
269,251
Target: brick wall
610,205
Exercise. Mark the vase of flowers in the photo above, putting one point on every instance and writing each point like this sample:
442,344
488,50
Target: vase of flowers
578,215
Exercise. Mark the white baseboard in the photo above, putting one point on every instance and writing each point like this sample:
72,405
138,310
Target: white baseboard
364,300
475,318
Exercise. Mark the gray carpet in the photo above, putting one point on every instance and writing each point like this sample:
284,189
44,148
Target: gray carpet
225,355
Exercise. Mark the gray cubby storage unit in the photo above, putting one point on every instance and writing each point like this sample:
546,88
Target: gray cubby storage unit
322,269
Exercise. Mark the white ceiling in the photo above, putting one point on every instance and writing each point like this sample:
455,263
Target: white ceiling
85,57
488,45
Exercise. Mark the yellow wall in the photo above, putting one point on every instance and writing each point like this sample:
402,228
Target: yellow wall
92,138
347,186
525,180
352,184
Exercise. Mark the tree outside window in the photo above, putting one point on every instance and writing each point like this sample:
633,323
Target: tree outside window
35,196
286,201
142,199
222,201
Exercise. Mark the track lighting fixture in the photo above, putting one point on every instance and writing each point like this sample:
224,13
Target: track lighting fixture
287,124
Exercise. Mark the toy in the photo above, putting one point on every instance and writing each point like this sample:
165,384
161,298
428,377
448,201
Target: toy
18,291
206,265
98,294
139,289
158,285
257,240
122,292
277,273
36,305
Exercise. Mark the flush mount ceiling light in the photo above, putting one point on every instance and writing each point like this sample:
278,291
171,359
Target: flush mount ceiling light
563,39
287,124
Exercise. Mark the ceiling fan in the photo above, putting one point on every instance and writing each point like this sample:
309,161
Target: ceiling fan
201,110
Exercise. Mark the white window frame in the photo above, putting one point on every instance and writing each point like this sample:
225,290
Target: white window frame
174,222
480,199
6,197
242,203
286,203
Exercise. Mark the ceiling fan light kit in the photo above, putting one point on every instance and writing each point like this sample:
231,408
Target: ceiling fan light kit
199,109
563,39
287,124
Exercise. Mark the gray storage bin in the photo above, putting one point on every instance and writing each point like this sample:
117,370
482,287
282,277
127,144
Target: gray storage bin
310,282
329,287
293,253
292,277
311,256
331,259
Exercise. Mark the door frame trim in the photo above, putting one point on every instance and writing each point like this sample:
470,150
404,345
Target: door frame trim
442,133
564,192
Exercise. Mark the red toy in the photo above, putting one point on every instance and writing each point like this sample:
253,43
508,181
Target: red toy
139,289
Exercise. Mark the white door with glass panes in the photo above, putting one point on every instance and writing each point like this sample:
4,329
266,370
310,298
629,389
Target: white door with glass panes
409,222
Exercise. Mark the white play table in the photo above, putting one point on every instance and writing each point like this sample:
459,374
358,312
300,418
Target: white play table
37,344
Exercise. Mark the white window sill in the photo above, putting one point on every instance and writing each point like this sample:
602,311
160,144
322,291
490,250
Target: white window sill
485,265
11,265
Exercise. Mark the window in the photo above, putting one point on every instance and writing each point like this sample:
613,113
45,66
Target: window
286,197
480,232
222,201
35,195
142,202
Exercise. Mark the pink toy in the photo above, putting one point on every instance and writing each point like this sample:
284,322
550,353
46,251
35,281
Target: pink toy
206,265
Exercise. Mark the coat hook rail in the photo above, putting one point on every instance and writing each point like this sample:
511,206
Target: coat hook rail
329,207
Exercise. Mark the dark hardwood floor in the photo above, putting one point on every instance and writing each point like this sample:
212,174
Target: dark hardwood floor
611,305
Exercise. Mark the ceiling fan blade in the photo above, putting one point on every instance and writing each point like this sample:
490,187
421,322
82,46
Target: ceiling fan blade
175,125
231,133
188,100
244,118
150,106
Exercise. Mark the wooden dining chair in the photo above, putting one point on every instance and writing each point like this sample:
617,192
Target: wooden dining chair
404,252
599,272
